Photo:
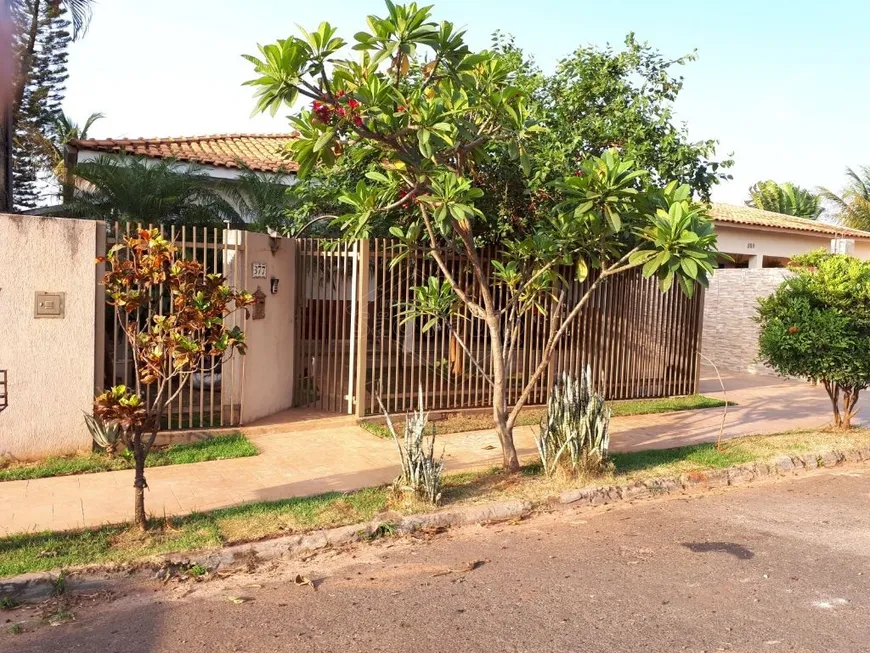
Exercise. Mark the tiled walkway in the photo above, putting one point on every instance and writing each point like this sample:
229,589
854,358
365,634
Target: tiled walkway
314,456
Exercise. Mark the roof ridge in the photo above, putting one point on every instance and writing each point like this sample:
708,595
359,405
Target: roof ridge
749,215
188,139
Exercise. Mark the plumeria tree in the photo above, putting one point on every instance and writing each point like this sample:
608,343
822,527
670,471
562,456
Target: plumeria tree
431,112
166,348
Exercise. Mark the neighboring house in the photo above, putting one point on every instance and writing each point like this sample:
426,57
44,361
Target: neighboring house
222,155
763,239
752,237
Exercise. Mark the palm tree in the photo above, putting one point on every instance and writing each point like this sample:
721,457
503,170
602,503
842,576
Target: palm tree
786,198
263,202
130,188
63,161
852,206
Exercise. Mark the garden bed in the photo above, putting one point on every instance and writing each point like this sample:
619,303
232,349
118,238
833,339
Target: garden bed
263,520
461,422
221,447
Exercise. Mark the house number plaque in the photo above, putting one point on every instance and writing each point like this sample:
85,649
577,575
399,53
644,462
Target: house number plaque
258,270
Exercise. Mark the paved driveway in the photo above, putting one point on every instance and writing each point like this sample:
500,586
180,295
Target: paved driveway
303,457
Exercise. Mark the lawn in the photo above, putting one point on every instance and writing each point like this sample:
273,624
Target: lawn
255,521
222,447
459,422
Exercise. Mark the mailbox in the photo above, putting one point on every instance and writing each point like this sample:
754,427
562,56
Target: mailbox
259,310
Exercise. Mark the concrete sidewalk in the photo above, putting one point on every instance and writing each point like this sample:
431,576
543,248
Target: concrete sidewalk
321,455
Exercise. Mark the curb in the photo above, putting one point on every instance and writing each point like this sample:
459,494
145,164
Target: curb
38,586
731,476
42,585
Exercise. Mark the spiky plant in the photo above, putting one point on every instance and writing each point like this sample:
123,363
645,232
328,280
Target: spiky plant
422,472
575,430
104,434
852,206
786,198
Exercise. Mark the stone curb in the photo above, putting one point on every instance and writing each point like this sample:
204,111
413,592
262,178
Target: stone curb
41,585
737,475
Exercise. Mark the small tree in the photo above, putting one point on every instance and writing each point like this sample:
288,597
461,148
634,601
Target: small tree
817,326
166,349
431,123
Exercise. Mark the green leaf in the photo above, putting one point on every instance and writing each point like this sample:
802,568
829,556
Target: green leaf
324,140
689,267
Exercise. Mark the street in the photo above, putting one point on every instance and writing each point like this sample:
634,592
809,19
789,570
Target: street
779,566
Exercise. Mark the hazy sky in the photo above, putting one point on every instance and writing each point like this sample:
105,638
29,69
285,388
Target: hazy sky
781,84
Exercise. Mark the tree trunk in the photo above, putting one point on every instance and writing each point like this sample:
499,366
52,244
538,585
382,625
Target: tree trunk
850,398
499,399
139,484
833,391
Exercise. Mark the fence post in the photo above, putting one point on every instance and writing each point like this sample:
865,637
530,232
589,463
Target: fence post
362,344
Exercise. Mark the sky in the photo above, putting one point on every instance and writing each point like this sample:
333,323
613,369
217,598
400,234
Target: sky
780,84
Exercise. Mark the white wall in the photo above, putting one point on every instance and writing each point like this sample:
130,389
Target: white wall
776,242
50,362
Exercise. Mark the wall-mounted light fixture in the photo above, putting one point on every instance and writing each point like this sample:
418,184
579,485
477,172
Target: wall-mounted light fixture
273,285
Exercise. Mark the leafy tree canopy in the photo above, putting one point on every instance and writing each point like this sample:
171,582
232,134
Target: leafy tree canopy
596,100
817,326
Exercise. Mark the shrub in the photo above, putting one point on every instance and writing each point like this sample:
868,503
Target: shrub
817,326
575,431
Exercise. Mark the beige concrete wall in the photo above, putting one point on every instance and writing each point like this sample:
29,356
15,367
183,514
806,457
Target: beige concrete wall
730,336
776,243
50,362
269,364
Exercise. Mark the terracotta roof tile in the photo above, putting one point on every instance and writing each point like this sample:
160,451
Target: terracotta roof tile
261,152
744,215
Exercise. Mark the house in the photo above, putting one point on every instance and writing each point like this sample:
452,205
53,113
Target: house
751,237
222,156
763,239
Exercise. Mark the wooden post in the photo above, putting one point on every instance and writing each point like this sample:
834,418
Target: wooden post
362,298
701,295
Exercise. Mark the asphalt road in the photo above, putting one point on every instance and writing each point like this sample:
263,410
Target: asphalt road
775,567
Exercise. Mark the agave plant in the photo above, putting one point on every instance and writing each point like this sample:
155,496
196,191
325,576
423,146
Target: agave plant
421,472
575,431
104,434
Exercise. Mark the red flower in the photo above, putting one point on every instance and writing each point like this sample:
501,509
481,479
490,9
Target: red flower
793,330
357,121
401,108
353,104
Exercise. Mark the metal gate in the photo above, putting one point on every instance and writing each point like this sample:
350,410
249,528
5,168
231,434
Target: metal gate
326,324
212,397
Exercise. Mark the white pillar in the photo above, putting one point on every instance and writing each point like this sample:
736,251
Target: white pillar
756,262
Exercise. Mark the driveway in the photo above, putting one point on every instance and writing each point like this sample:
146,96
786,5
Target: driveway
302,454
781,566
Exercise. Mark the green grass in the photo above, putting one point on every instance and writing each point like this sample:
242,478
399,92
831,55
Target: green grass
219,447
255,521
462,422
